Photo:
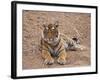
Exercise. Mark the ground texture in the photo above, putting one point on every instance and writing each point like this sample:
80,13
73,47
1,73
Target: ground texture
70,24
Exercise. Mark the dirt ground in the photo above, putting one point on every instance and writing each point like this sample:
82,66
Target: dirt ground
70,24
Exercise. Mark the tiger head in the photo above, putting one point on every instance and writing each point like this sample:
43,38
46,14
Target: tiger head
50,33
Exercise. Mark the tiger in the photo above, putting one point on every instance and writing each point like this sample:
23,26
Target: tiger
54,44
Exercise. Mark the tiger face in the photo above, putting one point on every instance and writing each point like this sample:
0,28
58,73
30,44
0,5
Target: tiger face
50,33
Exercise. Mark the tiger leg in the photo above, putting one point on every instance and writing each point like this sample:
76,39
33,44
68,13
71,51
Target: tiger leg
47,57
62,57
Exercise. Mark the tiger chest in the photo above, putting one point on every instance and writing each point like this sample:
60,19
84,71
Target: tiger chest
55,51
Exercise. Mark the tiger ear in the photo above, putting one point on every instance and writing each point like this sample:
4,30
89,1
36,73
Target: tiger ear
44,25
56,24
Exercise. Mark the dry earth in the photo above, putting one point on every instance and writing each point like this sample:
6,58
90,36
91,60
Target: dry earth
69,24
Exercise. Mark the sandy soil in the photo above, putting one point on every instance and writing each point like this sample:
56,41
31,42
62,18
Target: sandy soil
70,24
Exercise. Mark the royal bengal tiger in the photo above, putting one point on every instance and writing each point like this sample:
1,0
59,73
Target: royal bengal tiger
55,44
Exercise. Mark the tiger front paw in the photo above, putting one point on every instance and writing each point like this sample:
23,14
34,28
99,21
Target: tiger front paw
61,61
49,61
